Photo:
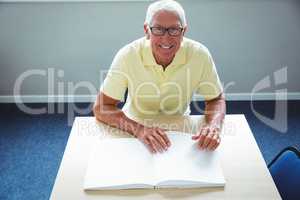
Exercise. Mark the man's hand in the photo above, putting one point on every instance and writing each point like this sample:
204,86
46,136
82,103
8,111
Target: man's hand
208,137
154,138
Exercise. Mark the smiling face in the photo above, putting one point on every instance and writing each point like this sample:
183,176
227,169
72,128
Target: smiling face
164,47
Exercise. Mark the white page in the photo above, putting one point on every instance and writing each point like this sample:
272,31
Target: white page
119,164
126,163
184,164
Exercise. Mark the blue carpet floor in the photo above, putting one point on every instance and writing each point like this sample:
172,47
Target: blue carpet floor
32,146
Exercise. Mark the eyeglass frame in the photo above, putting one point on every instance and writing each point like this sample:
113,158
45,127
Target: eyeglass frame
166,30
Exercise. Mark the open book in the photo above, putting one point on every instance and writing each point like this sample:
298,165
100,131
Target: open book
125,163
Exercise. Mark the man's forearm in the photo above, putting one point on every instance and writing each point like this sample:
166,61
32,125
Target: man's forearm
215,111
115,117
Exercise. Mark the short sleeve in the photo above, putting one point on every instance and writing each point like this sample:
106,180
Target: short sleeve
116,80
209,86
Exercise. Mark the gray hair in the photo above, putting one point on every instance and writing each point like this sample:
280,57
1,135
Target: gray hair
165,5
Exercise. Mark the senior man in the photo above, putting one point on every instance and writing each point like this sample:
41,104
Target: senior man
161,72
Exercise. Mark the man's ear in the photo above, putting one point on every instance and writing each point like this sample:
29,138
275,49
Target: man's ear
184,30
146,31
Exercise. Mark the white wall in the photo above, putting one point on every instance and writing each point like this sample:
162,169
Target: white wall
249,40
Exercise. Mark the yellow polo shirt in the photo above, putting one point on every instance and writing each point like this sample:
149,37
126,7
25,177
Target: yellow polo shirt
154,91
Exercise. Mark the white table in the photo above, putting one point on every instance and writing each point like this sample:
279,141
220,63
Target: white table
245,171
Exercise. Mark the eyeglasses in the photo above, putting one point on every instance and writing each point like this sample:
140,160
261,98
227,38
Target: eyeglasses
160,31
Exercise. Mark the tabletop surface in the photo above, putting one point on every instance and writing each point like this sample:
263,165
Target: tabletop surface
246,174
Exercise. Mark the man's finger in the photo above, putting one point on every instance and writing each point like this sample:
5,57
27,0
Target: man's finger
202,136
195,137
152,143
207,140
159,139
217,144
148,145
165,137
156,144
213,142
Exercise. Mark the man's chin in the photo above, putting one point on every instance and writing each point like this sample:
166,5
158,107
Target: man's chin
166,55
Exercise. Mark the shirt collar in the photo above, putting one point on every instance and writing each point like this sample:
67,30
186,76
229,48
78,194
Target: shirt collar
149,60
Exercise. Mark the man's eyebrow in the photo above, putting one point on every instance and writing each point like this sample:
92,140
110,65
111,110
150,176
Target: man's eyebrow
171,26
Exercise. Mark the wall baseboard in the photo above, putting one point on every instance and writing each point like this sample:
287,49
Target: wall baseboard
257,96
91,98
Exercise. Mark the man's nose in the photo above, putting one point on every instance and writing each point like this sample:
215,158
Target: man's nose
166,37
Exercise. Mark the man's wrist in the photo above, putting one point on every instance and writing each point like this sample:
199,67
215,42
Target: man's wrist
139,131
212,126
215,125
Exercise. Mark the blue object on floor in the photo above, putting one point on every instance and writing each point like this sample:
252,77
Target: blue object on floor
285,170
